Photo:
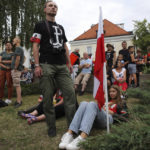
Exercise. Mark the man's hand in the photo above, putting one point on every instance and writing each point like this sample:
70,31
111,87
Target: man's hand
8,68
70,68
38,71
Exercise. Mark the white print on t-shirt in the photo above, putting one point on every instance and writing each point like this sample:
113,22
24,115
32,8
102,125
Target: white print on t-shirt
119,75
57,33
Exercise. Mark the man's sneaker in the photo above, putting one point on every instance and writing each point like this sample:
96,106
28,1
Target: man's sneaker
2,103
65,140
8,101
74,145
16,105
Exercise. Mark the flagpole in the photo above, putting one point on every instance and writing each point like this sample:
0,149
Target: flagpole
100,76
105,78
106,97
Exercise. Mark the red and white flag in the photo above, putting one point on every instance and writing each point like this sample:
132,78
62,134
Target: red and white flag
99,67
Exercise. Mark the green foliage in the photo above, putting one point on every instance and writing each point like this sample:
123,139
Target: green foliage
146,70
143,95
27,89
20,16
127,136
142,34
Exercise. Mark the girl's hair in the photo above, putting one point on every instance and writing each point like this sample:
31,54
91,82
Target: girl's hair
118,96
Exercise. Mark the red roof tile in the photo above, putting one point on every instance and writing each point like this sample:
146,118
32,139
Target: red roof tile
110,29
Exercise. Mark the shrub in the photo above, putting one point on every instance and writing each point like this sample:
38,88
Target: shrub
27,89
128,136
143,95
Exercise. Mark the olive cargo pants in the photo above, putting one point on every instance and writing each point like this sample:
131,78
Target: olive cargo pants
60,75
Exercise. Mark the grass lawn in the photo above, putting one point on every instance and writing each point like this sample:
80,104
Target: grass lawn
16,134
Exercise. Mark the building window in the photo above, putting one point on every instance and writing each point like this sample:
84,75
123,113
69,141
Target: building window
89,49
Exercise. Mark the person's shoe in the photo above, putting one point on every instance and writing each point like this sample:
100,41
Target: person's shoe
130,86
65,140
8,101
52,132
135,86
16,105
74,145
81,93
3,104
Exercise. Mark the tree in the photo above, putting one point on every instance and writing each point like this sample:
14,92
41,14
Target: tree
142,34
18,17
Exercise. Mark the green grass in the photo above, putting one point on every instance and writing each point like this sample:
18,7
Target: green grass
16,134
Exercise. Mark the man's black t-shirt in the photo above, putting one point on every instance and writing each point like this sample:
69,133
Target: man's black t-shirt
125,54
51,43
109,57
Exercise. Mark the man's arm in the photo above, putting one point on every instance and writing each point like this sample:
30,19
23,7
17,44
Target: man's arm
114,59
38,69
17,62
2,65
6,61
68,58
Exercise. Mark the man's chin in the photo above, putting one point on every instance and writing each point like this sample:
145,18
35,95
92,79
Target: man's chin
52,14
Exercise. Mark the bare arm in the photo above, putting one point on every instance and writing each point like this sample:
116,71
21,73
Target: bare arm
132,58
6,61
114,75
1,63
114,59
38,69
68,58
59,103
17,62
36,52
124,76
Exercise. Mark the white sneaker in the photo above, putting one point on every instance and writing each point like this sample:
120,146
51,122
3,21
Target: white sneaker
74,145
8,101
65,140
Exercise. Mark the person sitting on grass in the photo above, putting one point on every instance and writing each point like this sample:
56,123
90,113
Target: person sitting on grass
36,113
119,74
84,118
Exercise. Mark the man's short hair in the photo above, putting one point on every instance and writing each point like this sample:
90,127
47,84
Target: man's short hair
48,2
8,42
124,42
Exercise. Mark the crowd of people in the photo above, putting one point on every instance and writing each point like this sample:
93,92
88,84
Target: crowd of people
11,66
52,65
125,69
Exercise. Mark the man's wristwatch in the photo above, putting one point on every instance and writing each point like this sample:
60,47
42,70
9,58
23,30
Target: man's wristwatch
37,65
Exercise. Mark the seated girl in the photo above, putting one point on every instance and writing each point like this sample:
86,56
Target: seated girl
119,74
87,113
36,113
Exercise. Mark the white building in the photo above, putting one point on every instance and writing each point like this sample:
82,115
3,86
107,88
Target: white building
113,34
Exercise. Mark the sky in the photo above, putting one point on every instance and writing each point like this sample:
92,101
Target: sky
77,16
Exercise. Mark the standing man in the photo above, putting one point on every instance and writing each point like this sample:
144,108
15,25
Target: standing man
17,67
125,54
49,41
124,51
